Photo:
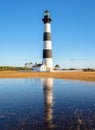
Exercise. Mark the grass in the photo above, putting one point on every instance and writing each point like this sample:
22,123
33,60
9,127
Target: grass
88,76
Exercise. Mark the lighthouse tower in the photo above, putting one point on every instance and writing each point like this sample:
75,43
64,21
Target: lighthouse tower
47,44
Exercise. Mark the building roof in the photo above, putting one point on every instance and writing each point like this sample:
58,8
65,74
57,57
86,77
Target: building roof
38,65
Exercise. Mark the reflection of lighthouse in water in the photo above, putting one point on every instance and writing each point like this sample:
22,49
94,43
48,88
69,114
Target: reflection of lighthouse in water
48,101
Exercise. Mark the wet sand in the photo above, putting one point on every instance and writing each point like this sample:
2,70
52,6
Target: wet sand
88,76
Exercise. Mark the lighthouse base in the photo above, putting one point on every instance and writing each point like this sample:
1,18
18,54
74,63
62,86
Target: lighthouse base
48,63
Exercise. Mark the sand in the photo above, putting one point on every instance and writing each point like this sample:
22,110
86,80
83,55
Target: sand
87,76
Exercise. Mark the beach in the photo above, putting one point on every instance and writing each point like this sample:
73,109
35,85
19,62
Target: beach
87,76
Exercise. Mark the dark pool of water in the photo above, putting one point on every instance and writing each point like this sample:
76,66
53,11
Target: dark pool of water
46,104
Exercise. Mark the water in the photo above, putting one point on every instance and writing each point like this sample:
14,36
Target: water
46,104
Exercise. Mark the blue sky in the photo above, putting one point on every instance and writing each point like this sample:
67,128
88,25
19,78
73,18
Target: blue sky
73,32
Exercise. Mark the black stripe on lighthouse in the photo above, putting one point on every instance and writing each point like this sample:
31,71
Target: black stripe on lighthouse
47,36
46,19
47,53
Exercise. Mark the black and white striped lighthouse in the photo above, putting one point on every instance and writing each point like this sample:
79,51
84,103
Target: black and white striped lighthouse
47,44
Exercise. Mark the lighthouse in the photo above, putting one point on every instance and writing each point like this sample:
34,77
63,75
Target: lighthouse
47,43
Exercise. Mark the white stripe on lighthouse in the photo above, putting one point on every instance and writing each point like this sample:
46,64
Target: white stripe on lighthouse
47,45
47,27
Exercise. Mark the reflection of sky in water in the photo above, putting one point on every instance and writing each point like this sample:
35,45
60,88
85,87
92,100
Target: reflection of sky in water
46,104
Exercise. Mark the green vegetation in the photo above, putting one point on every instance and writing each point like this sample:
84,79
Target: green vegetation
57,67
71,69
88,70
28,65
84,69
11,68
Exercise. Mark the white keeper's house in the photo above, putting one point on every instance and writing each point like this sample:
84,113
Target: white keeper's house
39,67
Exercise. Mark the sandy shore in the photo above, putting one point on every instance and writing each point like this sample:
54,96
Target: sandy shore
88,76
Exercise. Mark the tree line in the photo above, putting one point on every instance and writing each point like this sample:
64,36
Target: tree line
11,68
29,66
88,70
